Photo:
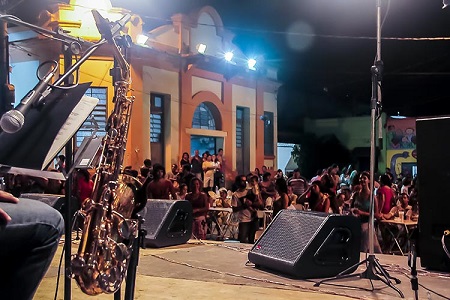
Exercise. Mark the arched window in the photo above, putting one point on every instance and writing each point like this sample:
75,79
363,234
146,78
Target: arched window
203,118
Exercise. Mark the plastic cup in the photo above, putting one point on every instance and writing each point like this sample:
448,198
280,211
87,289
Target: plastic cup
401,214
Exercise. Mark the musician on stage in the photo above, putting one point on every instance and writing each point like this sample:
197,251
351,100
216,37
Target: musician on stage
29,234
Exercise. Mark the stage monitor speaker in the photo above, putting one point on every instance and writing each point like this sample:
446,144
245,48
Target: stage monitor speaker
308,244
167,222
433,171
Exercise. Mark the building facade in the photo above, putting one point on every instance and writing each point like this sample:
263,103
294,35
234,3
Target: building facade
185,100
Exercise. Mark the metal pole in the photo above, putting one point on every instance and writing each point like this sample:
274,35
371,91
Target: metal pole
374,105
380,125
374,270
68,80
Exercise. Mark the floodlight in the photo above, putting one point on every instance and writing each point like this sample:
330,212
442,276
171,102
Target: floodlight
201,48
229,56
251,63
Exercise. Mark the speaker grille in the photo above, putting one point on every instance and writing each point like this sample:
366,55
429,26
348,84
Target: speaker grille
155,213
309,244
288,237
167,222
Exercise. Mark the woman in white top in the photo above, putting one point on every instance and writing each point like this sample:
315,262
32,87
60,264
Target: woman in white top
181,194
209,168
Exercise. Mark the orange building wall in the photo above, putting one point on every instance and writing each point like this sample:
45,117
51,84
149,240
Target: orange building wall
259,126
137,137
190,103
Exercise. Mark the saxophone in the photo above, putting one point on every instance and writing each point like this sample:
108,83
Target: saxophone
110,225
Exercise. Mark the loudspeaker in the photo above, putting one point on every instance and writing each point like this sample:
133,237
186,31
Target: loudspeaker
433,169
167,222
308,244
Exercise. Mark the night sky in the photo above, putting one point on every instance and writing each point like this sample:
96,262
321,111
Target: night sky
325,50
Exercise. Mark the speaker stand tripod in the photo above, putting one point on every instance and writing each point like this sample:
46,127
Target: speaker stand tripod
374,270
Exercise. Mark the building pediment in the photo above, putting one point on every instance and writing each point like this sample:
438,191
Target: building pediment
187,32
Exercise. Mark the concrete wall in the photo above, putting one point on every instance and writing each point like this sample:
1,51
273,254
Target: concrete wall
167,83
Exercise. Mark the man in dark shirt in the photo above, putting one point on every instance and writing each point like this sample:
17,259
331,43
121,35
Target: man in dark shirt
196,163
186,176
159,187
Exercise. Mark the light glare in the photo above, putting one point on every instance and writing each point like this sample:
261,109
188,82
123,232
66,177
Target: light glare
201,48
251,63
229,56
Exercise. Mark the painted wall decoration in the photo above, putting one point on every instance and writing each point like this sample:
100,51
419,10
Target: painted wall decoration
401,146
401,133
402,162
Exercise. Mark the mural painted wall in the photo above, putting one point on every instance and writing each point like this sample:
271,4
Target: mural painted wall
401,146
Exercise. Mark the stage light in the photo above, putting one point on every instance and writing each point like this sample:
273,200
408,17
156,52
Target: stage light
141,39
201,48
229,56
251,63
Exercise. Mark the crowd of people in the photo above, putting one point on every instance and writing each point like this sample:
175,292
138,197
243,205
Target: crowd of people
331,190
200,180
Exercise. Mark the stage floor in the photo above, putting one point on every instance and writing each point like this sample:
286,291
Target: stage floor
207,269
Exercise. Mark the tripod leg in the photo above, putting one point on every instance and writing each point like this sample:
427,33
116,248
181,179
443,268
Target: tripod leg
374,271
117,294
389,283
343,274
134,260
377,272
387,275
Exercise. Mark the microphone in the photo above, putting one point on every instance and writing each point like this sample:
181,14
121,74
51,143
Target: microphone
13,120
106,28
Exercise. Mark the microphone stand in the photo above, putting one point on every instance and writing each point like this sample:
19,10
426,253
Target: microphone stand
67,52
412,264
374,270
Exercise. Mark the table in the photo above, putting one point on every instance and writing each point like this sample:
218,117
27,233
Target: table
223,213
409,226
